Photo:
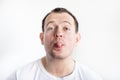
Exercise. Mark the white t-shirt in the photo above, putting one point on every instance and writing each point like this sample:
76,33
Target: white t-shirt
36,71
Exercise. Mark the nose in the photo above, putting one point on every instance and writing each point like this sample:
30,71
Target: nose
58,33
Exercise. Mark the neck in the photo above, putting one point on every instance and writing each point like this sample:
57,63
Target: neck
59,67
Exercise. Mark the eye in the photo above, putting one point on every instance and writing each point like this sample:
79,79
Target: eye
66,28
50,28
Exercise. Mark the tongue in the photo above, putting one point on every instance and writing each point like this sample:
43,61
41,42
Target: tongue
58,45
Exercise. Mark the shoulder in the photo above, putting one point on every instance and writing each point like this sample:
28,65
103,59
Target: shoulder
87,73
29,67
26,71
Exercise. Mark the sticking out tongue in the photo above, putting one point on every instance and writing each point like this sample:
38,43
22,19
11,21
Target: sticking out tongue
58,45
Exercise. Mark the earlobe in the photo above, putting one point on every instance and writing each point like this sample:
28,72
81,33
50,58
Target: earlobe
78,37
42,38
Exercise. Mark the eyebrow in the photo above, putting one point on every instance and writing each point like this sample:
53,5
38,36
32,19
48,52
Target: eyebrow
50,22
66,22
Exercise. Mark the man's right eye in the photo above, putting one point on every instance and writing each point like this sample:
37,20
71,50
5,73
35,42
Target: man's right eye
50,28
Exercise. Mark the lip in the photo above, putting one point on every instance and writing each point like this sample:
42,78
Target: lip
58,45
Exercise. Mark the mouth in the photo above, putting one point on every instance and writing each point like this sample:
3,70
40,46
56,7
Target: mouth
58,45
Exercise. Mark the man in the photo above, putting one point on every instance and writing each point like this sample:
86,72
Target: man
59,37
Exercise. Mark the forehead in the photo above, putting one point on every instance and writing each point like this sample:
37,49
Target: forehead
59,17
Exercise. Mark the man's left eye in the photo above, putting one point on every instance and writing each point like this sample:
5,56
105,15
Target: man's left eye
66,28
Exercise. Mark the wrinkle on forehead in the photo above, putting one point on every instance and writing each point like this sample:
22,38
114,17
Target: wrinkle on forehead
50,22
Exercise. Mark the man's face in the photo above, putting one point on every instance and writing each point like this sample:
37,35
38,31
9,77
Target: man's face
59,37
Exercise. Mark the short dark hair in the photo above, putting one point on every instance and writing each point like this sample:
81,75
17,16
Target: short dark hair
61,10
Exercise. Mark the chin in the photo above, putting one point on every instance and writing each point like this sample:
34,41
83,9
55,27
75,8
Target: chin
58,56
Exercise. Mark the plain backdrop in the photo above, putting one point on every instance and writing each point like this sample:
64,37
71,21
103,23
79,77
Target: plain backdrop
99,26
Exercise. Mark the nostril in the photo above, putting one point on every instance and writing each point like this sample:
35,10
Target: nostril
58,35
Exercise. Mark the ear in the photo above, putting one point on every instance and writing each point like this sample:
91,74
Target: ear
41,36
78,37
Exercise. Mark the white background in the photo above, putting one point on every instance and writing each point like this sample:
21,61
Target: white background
99,48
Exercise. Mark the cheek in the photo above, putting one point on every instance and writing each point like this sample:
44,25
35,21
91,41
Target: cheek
70,39
47,39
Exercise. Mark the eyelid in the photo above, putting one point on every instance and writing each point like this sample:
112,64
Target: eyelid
50,27
68,25
66,28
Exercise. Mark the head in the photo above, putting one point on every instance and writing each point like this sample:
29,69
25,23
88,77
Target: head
60,33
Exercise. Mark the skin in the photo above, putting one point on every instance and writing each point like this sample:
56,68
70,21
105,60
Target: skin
59,39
